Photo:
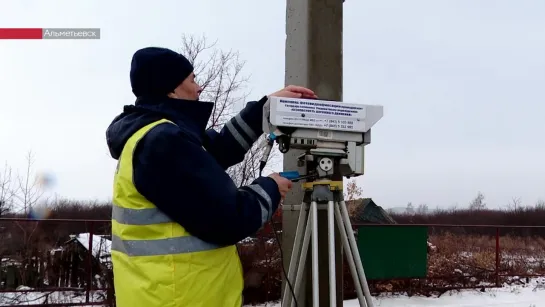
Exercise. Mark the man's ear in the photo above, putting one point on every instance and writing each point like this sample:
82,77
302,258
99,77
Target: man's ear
172,95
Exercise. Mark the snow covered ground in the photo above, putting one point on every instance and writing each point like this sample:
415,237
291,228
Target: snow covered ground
529,295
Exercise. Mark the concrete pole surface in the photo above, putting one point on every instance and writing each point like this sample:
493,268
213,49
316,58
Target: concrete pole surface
314,60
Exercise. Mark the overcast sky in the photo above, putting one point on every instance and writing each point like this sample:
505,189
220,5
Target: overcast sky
462,83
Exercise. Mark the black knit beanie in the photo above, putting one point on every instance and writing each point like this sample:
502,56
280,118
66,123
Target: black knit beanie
157,71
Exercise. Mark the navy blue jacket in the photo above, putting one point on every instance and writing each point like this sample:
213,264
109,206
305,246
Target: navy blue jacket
188,182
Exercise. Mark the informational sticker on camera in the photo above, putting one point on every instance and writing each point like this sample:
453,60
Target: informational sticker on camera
317,114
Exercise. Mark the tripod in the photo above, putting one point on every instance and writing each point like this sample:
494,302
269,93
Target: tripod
324,194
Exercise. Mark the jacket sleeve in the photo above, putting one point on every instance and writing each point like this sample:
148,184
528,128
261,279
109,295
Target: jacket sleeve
230,145
188,185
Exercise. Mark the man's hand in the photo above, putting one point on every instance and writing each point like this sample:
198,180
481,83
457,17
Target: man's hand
284,185
293,91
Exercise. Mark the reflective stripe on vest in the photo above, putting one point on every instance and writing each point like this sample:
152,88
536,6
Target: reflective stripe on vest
150,216
178,245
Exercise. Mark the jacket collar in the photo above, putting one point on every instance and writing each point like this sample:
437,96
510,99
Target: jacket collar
192,115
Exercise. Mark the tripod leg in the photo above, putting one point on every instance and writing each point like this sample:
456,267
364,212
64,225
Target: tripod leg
315,274
354,248
350,257
302,262
301,223
331,242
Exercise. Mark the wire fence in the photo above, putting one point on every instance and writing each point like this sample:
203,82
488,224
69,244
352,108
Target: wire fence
62,262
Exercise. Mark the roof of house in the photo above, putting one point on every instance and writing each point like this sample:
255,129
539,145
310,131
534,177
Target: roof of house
101,245
368,212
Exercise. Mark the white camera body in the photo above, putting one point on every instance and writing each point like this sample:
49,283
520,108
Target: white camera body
322,128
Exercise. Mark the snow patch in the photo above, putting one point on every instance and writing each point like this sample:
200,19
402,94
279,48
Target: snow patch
531,294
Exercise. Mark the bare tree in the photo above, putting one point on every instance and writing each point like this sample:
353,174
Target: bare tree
28,192
352,195
515,204
6,190
220,74
409,210
246,171
353,191
422,209
478,202
6,204
26,195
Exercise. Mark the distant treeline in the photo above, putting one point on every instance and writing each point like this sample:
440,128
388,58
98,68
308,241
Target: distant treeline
516,216
521,216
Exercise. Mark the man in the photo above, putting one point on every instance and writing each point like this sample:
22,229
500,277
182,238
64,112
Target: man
177,215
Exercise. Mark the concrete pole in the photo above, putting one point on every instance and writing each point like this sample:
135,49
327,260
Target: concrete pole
313,59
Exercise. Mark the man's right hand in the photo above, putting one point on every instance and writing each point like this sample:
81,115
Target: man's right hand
294,91
284,185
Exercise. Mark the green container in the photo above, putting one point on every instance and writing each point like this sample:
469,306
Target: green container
390,252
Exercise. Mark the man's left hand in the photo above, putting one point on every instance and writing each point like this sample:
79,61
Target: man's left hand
294,91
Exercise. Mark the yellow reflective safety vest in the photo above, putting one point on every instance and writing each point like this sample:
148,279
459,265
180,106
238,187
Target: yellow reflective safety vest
156,262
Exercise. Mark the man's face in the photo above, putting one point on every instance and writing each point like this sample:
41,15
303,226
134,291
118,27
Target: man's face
189,89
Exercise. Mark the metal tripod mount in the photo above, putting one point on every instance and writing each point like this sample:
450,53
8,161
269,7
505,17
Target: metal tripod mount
326,194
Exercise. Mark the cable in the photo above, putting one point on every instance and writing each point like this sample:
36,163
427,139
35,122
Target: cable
261,167
282,264
265,157
281,252
262,164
